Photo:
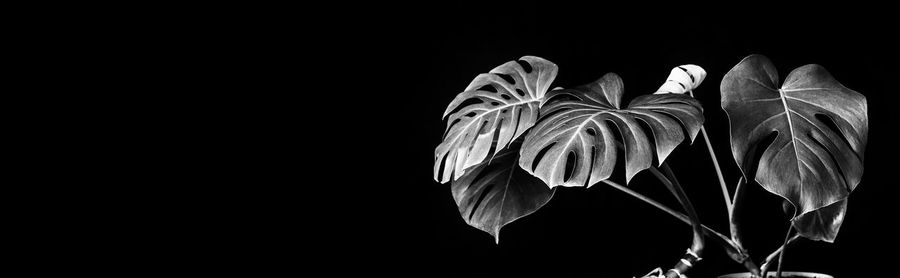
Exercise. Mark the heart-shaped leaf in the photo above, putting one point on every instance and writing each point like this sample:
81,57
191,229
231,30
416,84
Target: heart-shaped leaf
816,158
498,192
574,134
495,109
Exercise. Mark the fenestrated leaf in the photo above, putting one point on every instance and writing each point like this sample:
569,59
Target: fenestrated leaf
495,109
498,192
573,129
816,158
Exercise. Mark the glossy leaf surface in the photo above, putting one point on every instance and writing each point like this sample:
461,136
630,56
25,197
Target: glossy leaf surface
498,192
495,109
578,127
820,129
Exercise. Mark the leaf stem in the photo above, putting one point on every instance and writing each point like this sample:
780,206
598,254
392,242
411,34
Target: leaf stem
652,202
669,180
693,254
712,154
735,252
766,263
733,249
781,256
734,213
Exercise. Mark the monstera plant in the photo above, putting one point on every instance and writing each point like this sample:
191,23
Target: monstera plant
511,140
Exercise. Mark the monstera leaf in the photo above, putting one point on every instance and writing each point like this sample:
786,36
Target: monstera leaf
574,132
494,110
820,127
498,192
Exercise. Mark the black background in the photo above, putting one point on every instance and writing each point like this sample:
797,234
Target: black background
413,226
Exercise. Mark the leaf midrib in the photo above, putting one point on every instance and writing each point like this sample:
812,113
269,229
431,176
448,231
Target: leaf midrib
456,138
788,113
591,118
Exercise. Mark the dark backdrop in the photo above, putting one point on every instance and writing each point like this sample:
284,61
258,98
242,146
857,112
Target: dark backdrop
414,227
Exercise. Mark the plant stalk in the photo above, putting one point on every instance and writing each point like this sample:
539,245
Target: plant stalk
668,178
693,254
730,203
767,262
734,213
733,251
719,237
712,155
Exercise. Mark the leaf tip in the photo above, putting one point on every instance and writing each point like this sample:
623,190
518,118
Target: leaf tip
628,177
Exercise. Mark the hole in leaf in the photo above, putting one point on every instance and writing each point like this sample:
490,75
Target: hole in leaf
517,122
441,168
506,97
571,162
507,78
470,114
688,73
829,122
590,131
488,88
834,161
492,150
466,103
484,193
450,127
483,129
525,65
540,155
614,128
590,167
679,84
520,92
494,103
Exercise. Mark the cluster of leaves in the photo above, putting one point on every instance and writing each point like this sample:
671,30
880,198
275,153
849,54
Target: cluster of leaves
510,140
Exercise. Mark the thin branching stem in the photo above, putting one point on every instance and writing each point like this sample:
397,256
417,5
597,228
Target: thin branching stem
768,261
734,213
712,154
680,216
669,180
734,251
